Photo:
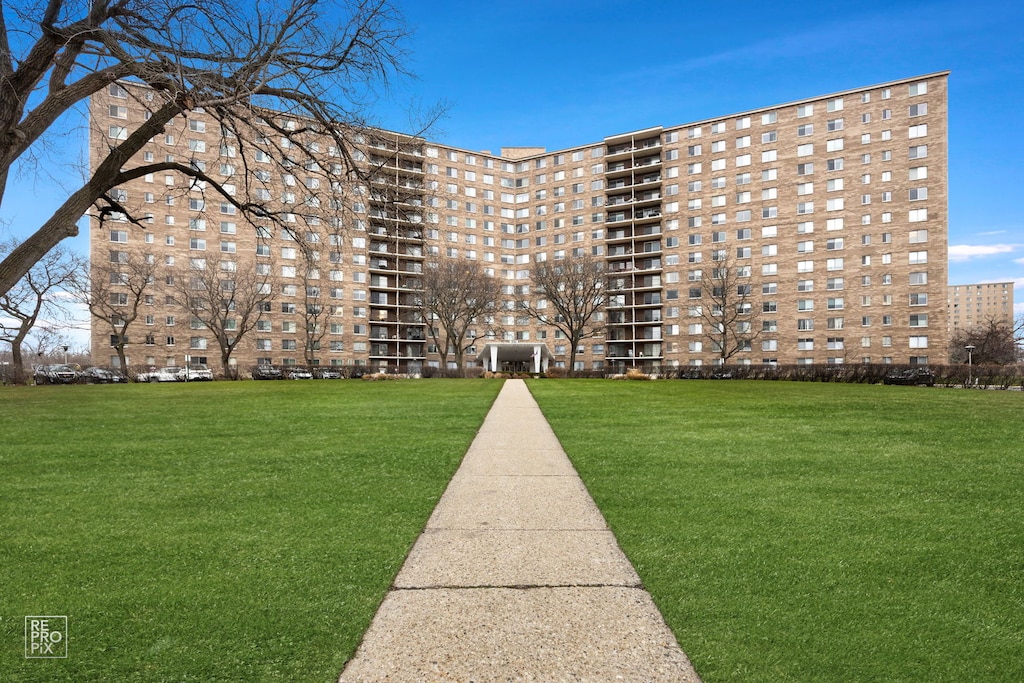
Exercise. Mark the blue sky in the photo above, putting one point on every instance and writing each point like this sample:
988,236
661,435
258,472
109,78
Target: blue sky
561,73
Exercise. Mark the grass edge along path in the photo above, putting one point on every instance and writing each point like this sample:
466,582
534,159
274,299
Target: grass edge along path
814,532
216,532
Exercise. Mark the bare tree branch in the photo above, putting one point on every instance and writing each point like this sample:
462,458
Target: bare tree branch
569,294
457,295
314,62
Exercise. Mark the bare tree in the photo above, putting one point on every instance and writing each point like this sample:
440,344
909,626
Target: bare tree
994,340
312,62
569,293
457,294
226,297
115,292
314,313
35,300
729,319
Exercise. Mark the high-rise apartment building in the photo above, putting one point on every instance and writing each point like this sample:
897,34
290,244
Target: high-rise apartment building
979,304
831,212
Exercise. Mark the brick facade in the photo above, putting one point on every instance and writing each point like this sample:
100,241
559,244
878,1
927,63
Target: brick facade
833,207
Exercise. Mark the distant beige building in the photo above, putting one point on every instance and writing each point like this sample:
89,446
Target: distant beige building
969,305
833,208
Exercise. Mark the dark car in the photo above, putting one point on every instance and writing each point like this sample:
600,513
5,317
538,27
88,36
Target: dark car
911,377
96,375
55,374
266,372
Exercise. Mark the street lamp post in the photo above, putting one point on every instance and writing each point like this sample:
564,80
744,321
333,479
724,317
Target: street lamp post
65,354
970,358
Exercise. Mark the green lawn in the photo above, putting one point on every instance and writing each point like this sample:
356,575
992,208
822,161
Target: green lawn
216,532
814,532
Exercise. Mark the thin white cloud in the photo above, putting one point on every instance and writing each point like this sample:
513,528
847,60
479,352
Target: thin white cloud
966,252
992,233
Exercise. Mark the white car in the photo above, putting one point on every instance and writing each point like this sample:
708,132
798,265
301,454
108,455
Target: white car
195,373
162,375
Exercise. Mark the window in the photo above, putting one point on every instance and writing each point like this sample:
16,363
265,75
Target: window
805,130
917,88
919,151
805,169
917,257
918,131
805,150
804,110
918,109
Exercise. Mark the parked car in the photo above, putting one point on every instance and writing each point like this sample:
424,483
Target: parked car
96,375
169,374
326,373
195,373
911,377
300,373
54,374
266,372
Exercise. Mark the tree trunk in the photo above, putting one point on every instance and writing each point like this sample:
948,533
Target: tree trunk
225,363
17,363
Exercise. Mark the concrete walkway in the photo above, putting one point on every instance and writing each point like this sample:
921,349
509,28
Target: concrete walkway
517,577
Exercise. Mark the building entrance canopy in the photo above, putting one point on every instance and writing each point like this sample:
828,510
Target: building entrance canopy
515,357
